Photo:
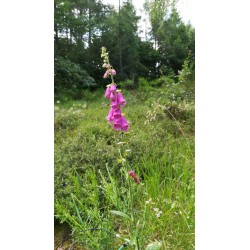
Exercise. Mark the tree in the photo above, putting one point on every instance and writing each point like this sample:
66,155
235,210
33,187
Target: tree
149,57
158,10
76,24
82,27
120,37
174,38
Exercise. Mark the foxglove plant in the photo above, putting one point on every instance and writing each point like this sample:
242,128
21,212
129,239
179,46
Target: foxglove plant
118,121
115,116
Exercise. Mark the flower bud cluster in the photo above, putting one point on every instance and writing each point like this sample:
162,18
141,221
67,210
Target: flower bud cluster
110,71
134,176
115,116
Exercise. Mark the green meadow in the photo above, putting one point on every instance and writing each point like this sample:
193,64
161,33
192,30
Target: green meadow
101,204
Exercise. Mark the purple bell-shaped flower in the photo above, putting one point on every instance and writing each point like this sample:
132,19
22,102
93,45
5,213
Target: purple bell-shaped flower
108,92
110,116
117,124
117,113
113,88
120,99
124,124
112,95
114,104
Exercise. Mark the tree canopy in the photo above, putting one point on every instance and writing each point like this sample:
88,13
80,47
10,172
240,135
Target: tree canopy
82,27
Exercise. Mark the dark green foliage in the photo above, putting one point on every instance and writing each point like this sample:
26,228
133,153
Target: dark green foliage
70,76
148,60
120,38
82,27
174,42
173,38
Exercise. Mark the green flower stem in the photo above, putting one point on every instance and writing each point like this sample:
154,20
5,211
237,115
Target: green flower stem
133,211
131,203
107,61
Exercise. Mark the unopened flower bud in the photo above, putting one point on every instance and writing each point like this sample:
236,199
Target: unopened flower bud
133,175
108,92
106,75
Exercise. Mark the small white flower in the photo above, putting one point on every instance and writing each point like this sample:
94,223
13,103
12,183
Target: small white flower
159,214
149,201
121,142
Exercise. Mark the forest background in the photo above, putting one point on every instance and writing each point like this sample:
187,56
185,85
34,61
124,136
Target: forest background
83,27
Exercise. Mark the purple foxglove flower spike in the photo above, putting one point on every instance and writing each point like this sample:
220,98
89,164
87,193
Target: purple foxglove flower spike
117,100
120,99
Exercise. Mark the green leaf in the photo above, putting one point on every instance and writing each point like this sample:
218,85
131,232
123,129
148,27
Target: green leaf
120,214
154,246
77,211
133,237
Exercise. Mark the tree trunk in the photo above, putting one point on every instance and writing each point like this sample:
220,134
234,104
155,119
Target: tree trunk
120,44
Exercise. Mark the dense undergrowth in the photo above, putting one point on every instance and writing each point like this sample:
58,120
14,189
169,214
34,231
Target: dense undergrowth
90,177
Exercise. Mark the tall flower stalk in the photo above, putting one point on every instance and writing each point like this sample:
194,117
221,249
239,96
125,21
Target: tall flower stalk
115,116
118,121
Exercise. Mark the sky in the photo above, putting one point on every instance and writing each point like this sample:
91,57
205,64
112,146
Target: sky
185,7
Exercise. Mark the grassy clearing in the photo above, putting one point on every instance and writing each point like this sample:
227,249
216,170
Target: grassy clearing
91,169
